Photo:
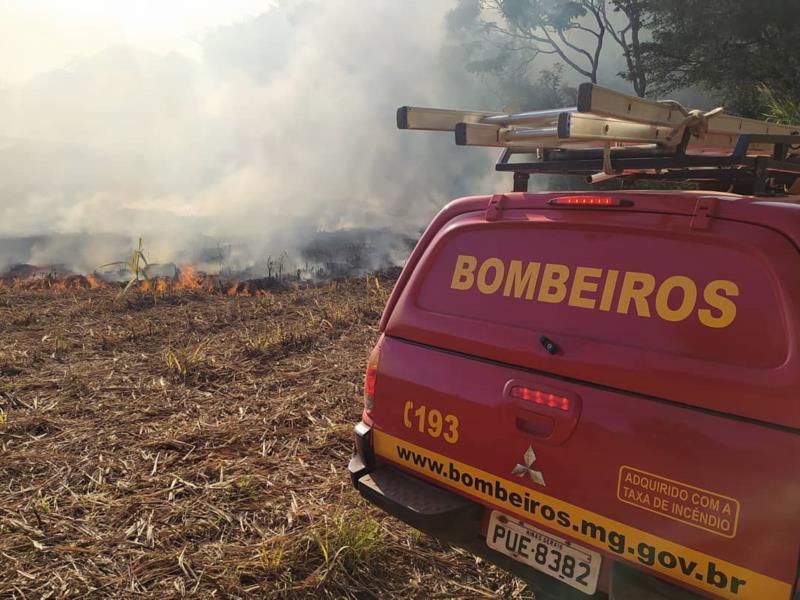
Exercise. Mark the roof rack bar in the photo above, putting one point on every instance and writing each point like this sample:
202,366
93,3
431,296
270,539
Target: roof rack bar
556,154
748,140
594,165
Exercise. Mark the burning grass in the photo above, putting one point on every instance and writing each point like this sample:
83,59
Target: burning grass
187,278
196,444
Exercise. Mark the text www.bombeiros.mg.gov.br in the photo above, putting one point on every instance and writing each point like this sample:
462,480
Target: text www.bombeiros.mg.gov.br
617,542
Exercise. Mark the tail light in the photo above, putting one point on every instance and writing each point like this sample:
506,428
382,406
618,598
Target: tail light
371,378
541,398
589,201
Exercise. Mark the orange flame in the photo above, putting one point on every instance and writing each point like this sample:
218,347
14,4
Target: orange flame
94,282
187,278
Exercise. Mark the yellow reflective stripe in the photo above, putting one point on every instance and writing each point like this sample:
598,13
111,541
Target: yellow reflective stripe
756,586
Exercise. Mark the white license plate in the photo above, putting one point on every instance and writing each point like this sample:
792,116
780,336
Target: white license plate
574,565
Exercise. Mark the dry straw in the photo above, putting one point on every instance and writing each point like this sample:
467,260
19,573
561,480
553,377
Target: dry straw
197,446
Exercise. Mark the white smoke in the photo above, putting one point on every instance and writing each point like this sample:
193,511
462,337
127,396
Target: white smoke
281,126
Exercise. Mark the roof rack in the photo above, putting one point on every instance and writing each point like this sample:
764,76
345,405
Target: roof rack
613,135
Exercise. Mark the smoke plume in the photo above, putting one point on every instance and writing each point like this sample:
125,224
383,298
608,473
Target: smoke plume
280,127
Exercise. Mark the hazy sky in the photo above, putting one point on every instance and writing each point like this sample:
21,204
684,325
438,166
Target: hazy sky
40,35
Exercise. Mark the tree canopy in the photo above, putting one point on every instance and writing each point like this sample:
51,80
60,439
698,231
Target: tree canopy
739,52
732,48
575,32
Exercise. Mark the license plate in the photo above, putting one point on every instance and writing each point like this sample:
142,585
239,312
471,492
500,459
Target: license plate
574,565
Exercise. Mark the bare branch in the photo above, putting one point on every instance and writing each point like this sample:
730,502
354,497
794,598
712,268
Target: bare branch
553,37
630,50
599,48
568,60
508,33
573,46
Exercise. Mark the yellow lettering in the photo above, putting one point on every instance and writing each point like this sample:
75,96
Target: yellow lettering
554,283
451,435
726,307
499,269
689,291
464,272
406,410
608,289
580,285
517,281
637,287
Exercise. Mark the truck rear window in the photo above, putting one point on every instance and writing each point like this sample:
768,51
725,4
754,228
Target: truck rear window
676,295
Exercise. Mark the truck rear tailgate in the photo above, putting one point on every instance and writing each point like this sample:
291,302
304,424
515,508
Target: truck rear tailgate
688,494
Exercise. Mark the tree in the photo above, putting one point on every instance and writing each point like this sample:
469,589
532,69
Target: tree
574,32
549,28
728,47
627,36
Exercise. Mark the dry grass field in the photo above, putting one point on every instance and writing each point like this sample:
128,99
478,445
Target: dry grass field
197,446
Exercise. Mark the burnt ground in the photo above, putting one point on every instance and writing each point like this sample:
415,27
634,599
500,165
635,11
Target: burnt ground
198,446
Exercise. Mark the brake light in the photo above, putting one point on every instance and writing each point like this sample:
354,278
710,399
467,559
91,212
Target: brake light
589,201
371,377
540,398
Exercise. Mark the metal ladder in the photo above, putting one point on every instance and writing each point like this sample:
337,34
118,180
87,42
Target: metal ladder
609,134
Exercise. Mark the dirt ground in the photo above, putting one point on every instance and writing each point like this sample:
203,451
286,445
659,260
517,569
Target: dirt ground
197,446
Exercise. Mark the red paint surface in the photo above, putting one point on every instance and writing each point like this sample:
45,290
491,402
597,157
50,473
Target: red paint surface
639,382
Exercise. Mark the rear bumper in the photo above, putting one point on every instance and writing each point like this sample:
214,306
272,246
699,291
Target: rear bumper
431,509
435,511
441,514
456,520
447,517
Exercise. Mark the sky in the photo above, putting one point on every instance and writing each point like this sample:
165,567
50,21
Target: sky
40,35
191,123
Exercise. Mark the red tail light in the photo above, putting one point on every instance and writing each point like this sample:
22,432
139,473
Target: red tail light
589,201
541,398
371,377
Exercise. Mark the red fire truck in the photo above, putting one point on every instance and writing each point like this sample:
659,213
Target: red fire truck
598,390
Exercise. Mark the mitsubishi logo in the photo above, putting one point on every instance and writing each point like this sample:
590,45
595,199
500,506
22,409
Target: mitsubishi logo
520,470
